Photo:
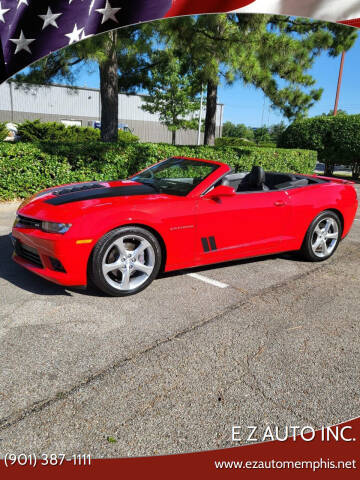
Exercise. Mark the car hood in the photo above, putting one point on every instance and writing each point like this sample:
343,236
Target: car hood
65,202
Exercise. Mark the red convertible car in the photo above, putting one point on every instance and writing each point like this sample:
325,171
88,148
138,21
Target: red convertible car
177,214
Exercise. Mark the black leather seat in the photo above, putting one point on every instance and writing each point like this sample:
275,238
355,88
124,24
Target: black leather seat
254,181
273,179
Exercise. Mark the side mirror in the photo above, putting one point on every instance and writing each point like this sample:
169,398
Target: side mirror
220,191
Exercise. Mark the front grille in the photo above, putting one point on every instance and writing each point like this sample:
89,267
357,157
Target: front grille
28,222
28,253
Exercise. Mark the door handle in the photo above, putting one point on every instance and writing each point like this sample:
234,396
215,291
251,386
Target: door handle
279,204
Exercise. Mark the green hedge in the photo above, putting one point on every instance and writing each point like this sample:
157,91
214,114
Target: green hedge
311,133
336,139
37,131
267,144
27,168
241,142
233,142
3,131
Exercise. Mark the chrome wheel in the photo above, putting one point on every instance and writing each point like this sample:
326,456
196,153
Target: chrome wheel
325,237
128,262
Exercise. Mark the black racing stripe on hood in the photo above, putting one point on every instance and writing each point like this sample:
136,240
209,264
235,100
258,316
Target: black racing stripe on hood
63,190
105,192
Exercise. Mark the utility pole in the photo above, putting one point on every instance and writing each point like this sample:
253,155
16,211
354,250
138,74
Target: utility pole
339,84
221,119
200,115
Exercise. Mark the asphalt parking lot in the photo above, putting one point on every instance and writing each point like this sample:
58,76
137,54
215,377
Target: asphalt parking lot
274,342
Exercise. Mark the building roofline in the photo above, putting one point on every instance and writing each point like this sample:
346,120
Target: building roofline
76,87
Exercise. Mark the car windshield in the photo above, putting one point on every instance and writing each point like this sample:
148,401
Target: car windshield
175,176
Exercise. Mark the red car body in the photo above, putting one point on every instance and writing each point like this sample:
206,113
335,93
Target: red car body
193,230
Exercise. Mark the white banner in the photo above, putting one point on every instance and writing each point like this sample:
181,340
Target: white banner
330,10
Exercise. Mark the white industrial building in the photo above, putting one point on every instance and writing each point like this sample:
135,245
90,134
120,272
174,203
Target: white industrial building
82,106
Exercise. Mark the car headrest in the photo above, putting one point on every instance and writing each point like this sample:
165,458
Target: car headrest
256,177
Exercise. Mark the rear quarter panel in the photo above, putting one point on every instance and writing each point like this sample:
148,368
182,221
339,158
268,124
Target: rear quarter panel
310,201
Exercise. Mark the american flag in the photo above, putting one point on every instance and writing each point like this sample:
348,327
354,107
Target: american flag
32,29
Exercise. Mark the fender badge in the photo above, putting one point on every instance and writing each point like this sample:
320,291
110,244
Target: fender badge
183,227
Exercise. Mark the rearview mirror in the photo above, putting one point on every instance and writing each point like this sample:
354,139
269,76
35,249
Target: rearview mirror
221,191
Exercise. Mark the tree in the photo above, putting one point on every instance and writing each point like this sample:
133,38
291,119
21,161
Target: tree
257,50
238,131
276,131
121,58
339,112
109,89
262,134
336,139
272,53
171,93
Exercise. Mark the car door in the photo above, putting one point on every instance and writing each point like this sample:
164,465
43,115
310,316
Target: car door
245,224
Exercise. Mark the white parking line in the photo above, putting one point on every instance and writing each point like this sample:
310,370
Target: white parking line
357,220
208,280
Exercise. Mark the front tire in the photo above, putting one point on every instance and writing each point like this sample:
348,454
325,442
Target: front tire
322,237
125,261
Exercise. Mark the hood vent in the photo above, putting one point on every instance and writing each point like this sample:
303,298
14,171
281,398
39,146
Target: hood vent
76,188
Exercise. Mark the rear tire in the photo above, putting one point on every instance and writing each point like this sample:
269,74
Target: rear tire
125,261
323,237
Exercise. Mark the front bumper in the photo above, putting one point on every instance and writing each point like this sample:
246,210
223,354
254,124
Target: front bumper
57,258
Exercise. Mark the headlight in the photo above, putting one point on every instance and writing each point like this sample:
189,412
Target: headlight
52,227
